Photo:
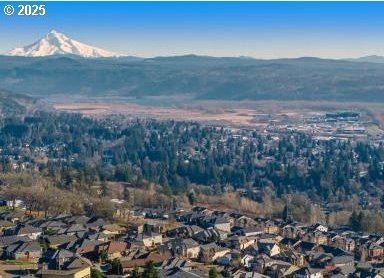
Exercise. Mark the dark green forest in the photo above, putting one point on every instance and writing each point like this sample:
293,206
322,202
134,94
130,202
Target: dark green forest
79,151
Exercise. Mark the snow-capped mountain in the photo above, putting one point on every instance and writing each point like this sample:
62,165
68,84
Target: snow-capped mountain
55,43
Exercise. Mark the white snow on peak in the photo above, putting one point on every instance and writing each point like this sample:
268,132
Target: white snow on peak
56,43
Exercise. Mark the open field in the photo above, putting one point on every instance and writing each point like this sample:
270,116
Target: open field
239,116
235,113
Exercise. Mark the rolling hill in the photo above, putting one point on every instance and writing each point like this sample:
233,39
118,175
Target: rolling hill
199,77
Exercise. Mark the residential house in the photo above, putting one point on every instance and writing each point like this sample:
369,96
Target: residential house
13,216
306,272
5,224
343,260
6,241
319,227
374,250
342,242
292,231
222,224
270,227
248,274
83,220
316,237
150,239
128,264
187,248
112,229
59,258
84,247
251,231
241,220
101,236
179,263
206,236
291,256
25,251
225,260
56,241
211,251
184,231
178,273
27,230
239,242
112,249
73,229
271,249
75,267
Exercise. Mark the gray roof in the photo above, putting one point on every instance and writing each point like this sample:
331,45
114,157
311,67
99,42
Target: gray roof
75,228
8,240
344,259
60,239
32,246
212,246
189,243
78,219
99,236
62,254
52,224
78,262
6,223
82,243
178,273
27,229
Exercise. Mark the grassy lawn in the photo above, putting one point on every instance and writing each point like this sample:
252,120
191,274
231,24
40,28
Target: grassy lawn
5,209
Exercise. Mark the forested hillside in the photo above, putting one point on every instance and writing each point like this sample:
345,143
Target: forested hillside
196,77
78,152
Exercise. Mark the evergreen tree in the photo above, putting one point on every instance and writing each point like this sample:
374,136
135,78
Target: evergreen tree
150,271
96,273
355,221
191,198
135,273
213,273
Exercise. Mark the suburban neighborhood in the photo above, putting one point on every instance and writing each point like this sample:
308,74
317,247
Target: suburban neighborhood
178,243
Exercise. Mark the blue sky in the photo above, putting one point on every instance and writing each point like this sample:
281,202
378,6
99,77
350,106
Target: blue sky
257,29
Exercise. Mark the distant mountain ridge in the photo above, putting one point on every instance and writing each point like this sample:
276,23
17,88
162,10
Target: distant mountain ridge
58,65
368,59
55,43
195,77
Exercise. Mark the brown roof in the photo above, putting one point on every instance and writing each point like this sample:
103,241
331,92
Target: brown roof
113,228
60,239
116,246
154,257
